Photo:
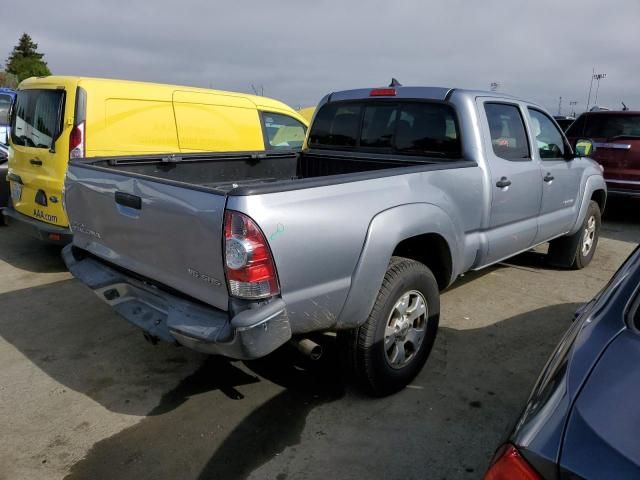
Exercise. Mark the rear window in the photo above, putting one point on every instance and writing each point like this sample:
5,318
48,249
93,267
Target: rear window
605,126
37,118
409,128
5,104
283,132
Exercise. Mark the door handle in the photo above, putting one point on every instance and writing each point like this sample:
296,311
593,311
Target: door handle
548,177
33,161
503,182
128,200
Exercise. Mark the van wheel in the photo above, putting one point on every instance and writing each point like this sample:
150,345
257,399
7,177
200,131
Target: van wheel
577,250
390,348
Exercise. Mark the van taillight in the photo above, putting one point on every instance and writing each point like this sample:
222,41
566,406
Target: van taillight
251,272
76,141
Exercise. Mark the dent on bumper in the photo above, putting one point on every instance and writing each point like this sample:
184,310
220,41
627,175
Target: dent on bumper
252,333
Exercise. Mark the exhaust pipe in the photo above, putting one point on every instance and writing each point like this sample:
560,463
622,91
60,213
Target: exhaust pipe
308,347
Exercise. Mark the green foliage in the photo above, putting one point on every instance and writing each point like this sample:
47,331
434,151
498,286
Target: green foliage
8,80
25,61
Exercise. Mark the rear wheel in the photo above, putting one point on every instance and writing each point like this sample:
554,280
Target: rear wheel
390,348
577,250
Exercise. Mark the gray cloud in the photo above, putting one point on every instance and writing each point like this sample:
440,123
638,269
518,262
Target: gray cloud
301,50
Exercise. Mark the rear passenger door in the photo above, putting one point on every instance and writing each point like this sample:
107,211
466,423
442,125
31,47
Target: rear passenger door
561,177
516,182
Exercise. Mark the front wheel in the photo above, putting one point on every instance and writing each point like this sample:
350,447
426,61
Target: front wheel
577,251
390,348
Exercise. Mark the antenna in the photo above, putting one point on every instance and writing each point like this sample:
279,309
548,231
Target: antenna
255,90
395,82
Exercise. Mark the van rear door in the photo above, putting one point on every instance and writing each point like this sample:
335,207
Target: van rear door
40,140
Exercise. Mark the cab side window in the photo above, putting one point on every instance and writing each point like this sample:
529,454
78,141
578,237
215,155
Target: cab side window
508,134
549,139
282,131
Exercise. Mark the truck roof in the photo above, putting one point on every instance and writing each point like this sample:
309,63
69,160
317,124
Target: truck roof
420,92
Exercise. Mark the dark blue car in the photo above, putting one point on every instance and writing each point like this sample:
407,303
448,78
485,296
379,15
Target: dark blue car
582,419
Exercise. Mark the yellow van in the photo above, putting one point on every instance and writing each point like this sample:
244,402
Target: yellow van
55,118
307,113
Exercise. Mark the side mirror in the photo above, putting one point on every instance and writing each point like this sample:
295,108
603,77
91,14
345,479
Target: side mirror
584,147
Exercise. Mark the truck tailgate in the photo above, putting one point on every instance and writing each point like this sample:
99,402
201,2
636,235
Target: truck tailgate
166,232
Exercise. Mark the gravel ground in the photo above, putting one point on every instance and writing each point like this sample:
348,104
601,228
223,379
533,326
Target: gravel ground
83,396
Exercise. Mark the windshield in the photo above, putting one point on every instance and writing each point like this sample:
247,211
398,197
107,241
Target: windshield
37,117
409,128
605,126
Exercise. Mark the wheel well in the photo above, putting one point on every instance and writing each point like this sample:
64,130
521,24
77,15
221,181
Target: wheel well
433,251
600,197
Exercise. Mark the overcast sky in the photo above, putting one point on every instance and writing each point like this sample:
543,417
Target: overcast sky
300,50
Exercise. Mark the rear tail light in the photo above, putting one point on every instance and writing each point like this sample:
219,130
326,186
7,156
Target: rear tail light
76,141
509,465
249,265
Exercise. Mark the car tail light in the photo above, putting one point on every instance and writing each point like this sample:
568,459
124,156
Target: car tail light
249,265
509,465
76,141
383,92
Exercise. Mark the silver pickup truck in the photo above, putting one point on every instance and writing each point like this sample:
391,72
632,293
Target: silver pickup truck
397,192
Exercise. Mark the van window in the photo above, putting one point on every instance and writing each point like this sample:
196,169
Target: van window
410,128
5,103
37,118
283,131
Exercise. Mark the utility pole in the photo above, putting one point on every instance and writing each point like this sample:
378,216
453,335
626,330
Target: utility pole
560,106
572,106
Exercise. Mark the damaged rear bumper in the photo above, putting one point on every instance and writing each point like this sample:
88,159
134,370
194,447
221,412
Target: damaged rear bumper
252,333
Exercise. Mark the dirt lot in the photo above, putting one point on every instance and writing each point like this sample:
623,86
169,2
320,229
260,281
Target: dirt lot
82,395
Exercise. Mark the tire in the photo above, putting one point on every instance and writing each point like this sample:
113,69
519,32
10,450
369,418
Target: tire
381,371
577,250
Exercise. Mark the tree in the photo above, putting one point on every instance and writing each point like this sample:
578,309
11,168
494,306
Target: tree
8,80
25,61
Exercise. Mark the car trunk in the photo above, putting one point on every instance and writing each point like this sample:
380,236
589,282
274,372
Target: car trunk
162,217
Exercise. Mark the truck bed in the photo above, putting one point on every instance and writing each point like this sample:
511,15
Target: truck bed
239,172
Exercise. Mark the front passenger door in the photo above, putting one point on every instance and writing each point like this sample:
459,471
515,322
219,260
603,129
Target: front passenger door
561,177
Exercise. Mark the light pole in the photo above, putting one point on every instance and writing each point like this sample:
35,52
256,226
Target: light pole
598,77
594,76
560,106
572,105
